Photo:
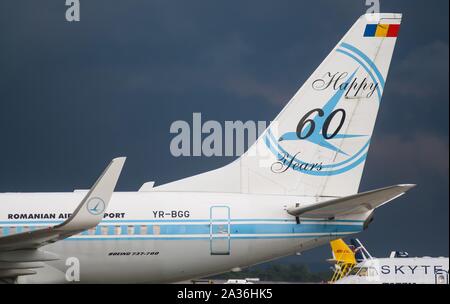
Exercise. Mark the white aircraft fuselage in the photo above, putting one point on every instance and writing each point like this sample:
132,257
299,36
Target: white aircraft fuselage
168,237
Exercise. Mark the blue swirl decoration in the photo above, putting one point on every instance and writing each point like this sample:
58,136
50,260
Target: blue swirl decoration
353,160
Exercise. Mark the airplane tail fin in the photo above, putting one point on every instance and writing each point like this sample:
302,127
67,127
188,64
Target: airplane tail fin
318,144
342,253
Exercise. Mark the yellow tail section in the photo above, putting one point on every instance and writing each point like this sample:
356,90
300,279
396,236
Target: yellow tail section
341,252
344,258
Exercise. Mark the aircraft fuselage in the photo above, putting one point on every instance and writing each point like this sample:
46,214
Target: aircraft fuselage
161,237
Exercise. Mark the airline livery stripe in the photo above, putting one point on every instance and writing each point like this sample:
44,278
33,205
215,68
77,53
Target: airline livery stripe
367,60
186,221
204,237
364,66
217,228
235,228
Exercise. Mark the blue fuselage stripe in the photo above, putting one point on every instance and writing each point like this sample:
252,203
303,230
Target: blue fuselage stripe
234,229
284,220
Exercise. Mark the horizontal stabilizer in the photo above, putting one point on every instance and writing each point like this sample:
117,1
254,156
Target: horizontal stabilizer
353,204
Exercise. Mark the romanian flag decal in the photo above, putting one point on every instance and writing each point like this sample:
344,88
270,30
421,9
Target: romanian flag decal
381,30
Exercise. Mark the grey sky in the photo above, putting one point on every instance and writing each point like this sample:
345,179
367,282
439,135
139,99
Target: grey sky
74,95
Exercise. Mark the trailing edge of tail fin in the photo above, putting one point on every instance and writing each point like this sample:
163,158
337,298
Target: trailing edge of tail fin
318,144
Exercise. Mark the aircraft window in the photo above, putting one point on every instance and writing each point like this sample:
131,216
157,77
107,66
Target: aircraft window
130,230
91,231
355,270
156,229
117,230
12,230
143,229
25,229
104,230
1,231
363,272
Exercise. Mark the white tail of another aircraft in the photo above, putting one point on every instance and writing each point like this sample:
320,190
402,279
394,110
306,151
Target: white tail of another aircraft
318,144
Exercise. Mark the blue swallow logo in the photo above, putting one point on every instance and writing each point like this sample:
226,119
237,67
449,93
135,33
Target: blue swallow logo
95,206
316,128
317,135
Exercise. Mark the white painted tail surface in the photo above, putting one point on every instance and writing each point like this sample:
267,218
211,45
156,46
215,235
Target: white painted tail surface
318,144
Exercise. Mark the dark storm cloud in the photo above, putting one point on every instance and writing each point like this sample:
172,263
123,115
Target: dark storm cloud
421,152
411,76
75,95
